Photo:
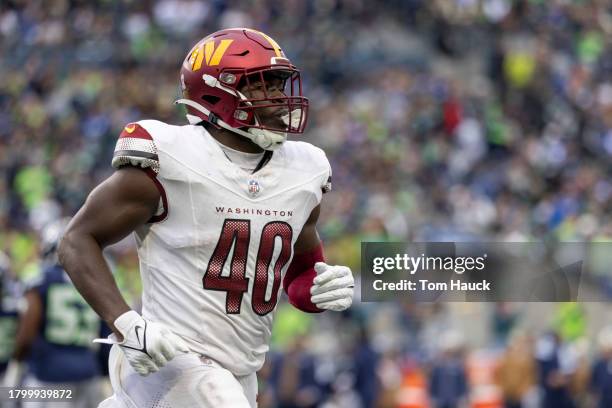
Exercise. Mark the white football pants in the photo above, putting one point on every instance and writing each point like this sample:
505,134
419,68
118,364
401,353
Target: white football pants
186,381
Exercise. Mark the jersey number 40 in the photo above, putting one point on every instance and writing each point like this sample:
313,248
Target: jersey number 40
237,233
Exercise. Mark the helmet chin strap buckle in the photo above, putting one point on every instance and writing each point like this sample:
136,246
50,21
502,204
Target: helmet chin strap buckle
214,119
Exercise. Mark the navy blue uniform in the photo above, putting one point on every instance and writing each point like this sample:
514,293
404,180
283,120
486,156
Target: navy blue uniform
63,350
601,382
9,295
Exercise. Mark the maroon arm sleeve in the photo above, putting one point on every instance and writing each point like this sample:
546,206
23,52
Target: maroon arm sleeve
299,277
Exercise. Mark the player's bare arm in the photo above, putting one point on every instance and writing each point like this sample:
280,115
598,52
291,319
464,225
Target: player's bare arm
29,323
309,237
124,201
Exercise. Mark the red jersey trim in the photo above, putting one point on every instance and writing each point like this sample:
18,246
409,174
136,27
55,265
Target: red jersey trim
164,198
136,131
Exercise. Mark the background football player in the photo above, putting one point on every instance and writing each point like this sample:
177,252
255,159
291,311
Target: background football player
224,211
53,347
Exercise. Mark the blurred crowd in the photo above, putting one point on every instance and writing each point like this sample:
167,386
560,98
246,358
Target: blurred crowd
442,119
420,357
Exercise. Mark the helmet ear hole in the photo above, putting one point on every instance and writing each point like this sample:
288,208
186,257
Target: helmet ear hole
212,99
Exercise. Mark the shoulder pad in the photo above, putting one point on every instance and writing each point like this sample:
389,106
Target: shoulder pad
312,158
136,147
326,182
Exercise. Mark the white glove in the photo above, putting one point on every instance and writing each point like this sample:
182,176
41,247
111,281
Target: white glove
332,289
147,345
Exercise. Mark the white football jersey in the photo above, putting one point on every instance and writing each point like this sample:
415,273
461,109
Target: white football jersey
213,259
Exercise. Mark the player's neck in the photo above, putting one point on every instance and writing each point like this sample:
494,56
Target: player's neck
233,141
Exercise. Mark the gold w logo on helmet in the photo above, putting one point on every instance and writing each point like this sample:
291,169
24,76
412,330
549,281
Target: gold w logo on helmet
209,53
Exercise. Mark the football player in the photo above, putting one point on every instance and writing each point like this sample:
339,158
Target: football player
55,333
224,212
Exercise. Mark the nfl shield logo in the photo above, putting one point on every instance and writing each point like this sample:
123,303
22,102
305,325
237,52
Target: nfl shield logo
254,187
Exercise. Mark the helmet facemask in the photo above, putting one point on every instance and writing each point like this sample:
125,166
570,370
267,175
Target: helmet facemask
269,108
267,91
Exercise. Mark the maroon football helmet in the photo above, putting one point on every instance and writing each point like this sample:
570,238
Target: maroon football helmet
220,64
